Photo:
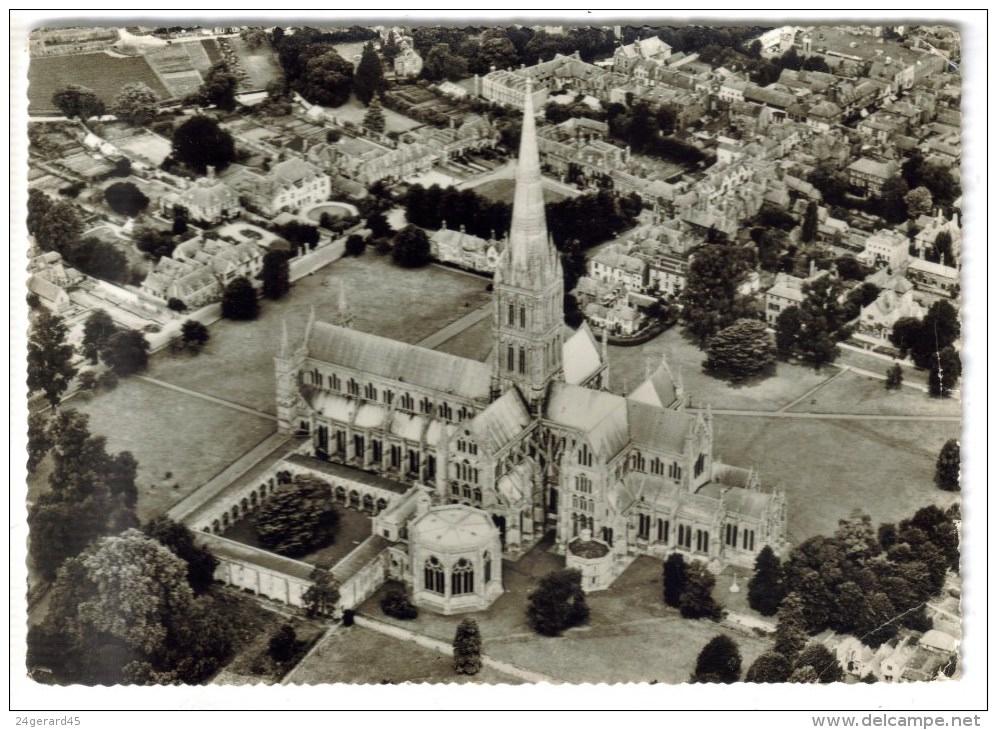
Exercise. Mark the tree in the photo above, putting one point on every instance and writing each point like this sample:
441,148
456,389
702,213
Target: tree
411,247
276,274
355,245
823,662
804,675
397,604
697,598
790,633
39,441
765,589
822,318
894,377
378,225
374,118
906,334
808,230
440,64
126,352
467,647
368,80
741,350
892,201
200,142
239,301
97,330
947,466
154,242
136,104
718,661
74,100
284,644
788,326
946,369
391,48
919,202
301,236
943,248
125,198
769,668
179,539
219,87
322,595
50,366
558,603
674,579
710,299
327,79
850,269
195,334
298,518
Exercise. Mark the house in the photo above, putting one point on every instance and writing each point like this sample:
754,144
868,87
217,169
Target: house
621,318
886,248
465,250
869,176
199,270
613,265
408,63
208,200
634,55
289,186
510,88
787,291
895,302
933,277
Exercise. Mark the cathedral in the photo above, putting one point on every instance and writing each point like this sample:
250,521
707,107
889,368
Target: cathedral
528,443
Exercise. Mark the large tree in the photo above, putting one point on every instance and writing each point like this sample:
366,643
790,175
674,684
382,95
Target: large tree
718,661
697,598
39,440
136,104
322,595
50,357
219,87
327,79
741,350
711,300
788,326
97,330
557,603
947,466
239,301
298,518
200,142
946,369
823,662
808,230
154,242
179,539
74,100
765,589
790,631
673,579
769,668
919,202
368,80
374,118
467,647
126,352
442,65
195,334
823,319
276,274
411,247
125,198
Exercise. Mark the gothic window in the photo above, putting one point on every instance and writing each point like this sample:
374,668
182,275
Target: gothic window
674,471
685,537
637,461
358,446
413,461
607,535
396,456
730,535
510,358
389,396
467,492
522,361
430,467
583,484
426,405
663,531
432,575
455,490
407,403
477,495
522,317
748,540
702,541
463,413
461,445
487,560
462,578
512,314
574,524
574,501
446,412
370,392
584,456
657,466
353,387
375,450
340,442
643,527
700,465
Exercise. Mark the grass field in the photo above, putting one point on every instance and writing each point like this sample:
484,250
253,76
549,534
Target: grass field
362,656
855,393
260,65
502,191
354,111
98,71
403,304
636,637
828,468
475,342
166,431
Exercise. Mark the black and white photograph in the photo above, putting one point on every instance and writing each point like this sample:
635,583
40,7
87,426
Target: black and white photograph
570,350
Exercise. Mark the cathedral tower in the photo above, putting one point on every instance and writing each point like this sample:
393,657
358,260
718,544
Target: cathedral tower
529,283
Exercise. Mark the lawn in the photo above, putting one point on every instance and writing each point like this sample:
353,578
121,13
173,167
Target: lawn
632,635
403,304
166,431
852,392
502,191
260,65
252,663
629,366
98,71
354,111
354,528
358,655
828,468
150,147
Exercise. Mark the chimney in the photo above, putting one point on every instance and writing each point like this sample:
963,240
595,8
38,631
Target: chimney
813,267
211,172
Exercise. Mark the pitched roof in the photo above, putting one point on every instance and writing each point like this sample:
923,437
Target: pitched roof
657,428
368,353
601,416
580,355
501,422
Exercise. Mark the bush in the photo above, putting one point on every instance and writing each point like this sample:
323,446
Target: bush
558,603
176,305
298,518
397,605
125,198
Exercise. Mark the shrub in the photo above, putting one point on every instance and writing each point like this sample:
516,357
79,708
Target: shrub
397,605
